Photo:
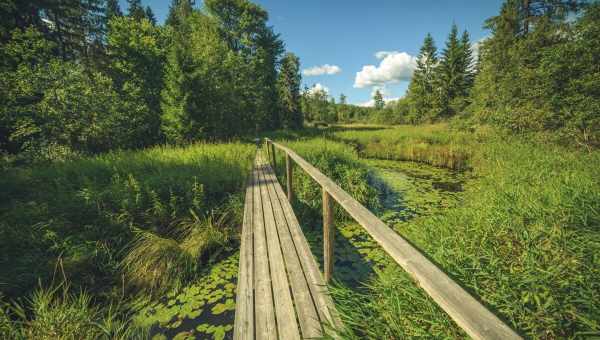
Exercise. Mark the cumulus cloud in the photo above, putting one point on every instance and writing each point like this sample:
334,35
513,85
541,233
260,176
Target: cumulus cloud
321,70
394,67
318,87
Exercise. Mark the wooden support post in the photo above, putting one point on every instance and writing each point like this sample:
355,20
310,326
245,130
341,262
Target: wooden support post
288,177
328,235
274,160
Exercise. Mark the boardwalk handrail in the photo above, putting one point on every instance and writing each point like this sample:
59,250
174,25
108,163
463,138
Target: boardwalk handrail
476,320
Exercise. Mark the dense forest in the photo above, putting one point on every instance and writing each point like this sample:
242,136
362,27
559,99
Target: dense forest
82,77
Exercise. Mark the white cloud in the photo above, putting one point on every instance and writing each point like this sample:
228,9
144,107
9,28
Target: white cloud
394,67
321,70
318,87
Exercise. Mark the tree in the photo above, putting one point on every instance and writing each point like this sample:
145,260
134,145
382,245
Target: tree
113,9
136,51
135,9
421,90
343,99
288,84
150,15
245,28
378,100
178,10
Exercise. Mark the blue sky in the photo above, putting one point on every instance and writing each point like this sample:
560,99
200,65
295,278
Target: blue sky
349,33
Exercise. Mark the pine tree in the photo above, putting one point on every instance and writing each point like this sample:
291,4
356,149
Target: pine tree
113,9
135,9
467,66
178,10
422,85
150,15
288,84
451,74
378,100
343,99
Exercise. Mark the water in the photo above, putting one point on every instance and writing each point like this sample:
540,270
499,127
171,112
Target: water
202,310
206,308
408,191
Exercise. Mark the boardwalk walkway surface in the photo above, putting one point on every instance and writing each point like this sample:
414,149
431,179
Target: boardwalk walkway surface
281,292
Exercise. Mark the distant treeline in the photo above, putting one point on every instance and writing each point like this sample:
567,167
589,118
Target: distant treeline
539,70
81,76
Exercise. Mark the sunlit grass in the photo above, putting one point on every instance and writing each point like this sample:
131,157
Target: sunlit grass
431,144
140,222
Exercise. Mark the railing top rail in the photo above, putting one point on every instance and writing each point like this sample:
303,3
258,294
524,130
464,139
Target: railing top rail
466,311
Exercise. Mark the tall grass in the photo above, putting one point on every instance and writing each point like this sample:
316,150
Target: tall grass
524,240
336,160
143,221
431,144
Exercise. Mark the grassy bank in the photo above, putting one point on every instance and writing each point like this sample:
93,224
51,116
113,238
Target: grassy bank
431,144
120,224
524,238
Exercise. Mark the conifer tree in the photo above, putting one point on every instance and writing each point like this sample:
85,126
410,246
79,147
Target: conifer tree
150,15
113,9
135,9
288,84
378,100
422,85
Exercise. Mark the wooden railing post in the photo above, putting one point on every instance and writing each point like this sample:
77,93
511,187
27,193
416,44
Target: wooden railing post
288,177
328,235
274,160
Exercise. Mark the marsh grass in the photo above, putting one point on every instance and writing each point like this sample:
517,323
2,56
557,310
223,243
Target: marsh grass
431,144
118,221
57,312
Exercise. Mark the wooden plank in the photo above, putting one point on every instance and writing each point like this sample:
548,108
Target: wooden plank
284,308
308,317
316,284
264,311
466,311
328,236
244,310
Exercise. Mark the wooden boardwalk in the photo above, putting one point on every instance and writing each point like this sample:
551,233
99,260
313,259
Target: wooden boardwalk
281,292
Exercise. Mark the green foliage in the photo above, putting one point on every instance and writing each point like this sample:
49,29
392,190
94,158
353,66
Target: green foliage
520,239
378,100
85,211
136,52
289,91
540,77
431,144
421,88
58,313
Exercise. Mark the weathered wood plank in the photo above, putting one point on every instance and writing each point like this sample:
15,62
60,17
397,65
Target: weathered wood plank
466,311
244,310
264,311
284,308
316,284
307,314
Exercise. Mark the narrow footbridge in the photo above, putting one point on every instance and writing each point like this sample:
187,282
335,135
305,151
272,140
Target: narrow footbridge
281,292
